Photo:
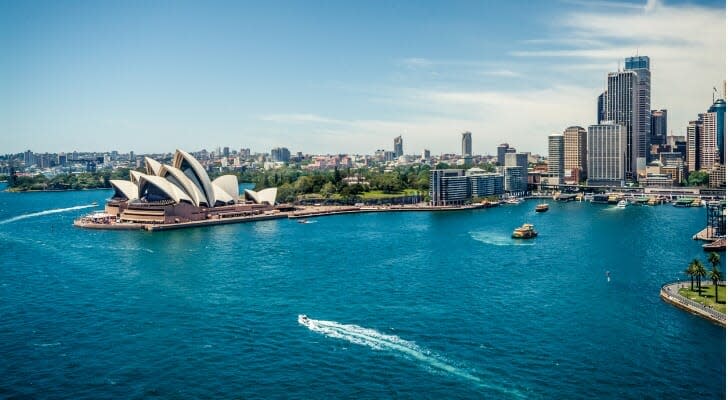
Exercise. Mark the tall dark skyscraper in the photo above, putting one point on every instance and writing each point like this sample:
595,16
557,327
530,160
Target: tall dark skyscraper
621,108
641,65
601,107
658,127
398,151
502,150
467,145
718,108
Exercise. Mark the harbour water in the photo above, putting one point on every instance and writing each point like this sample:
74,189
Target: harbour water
407,305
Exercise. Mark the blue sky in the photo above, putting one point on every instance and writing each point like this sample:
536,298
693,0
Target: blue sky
337,77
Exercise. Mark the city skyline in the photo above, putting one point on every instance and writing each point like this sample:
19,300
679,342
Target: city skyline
76,76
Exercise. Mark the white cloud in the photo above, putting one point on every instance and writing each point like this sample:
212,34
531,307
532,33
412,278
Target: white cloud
560,75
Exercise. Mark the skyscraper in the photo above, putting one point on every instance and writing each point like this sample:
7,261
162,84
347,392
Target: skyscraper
516,172
622,108
467,145
502,150
575,166
641,65
708,154
692,150
718,108
601,107
607,154
658,127
398,147
556,159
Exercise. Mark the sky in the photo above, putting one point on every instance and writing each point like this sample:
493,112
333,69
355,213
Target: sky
338,77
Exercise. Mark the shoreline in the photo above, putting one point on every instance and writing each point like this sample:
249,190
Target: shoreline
669,294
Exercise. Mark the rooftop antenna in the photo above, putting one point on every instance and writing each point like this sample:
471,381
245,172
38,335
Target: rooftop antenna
714,92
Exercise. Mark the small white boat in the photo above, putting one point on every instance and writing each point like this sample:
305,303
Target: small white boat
622,204
303,319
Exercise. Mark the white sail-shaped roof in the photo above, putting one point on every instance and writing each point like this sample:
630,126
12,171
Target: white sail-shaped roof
125,189
197,174
152,166
134,176
228,183
179,179
221,196
264,196
165,187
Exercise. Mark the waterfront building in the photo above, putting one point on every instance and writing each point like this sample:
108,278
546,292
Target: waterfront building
607,154
658,127
575,166
641,65
692,146
622,108
516,172
398,149
280,154
718,108
556,159
448,187
467,145
716,176
181,192
707,153
501,152
673,164
484,184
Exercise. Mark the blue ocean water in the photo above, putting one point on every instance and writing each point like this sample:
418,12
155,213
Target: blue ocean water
405,305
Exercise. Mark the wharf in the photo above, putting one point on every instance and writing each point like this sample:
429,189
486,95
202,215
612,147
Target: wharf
705,235
108,223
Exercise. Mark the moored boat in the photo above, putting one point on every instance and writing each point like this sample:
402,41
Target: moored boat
542,207
524,232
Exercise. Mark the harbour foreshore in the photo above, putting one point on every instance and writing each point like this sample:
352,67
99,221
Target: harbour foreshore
300,212
669,293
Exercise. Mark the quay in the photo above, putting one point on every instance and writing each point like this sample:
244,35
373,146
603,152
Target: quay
109,222
669,293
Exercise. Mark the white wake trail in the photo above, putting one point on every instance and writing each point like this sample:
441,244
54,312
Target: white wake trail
46,212
380,341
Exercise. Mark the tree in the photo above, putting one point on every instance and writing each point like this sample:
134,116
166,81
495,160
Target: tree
690,270
698,178
700,272
715,276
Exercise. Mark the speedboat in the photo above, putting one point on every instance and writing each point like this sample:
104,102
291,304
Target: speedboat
303,319
542,207
622,204
303,221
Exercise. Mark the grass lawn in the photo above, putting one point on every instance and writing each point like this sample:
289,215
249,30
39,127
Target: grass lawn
707,297
378,194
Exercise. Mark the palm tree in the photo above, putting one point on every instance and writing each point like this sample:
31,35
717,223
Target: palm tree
715,276
714,259
700,272
690,271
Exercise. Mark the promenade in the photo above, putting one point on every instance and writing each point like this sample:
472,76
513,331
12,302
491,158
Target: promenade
669,293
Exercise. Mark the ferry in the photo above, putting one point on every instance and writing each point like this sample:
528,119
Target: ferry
524,232
513,200
542,207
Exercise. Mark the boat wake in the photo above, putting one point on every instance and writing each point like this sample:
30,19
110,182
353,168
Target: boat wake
380,341
498,239
46,212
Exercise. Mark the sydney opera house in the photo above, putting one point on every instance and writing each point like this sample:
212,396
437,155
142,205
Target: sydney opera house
182,192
